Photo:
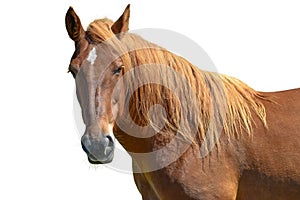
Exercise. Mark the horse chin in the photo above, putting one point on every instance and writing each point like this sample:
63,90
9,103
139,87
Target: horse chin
98,162
94,162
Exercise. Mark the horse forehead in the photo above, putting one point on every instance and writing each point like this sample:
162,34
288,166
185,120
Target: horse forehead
92,56
103,53
94,67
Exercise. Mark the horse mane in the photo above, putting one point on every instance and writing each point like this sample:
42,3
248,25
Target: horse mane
222,100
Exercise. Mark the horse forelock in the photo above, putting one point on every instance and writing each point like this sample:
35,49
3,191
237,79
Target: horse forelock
99,30
215,93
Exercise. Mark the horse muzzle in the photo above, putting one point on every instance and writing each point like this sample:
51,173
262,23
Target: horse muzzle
99,150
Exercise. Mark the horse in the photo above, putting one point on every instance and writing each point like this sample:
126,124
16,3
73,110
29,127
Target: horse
191,134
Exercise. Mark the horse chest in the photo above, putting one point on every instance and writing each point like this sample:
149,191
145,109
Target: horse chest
156,185
190,177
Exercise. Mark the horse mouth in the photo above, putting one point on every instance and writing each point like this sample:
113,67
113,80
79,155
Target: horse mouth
94,161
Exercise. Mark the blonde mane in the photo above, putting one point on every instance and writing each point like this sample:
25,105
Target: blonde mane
221,99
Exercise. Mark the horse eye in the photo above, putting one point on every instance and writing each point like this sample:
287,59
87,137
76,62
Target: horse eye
73,69
118,70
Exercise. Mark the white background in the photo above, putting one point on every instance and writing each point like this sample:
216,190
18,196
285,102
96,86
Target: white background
40,152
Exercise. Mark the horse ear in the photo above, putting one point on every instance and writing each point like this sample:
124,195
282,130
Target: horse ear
73,25
121,25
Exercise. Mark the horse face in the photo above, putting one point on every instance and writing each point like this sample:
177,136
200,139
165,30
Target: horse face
97,70
99,97
95,85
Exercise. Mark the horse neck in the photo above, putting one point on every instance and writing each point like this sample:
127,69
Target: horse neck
217,95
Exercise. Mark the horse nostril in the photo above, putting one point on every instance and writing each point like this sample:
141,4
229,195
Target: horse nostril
85,143
110,140
109,148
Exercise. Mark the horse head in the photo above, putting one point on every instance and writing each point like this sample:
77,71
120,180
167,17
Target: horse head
97,67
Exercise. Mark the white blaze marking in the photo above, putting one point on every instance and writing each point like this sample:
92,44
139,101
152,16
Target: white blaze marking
92,56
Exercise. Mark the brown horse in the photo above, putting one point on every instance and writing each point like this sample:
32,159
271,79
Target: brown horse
192,134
